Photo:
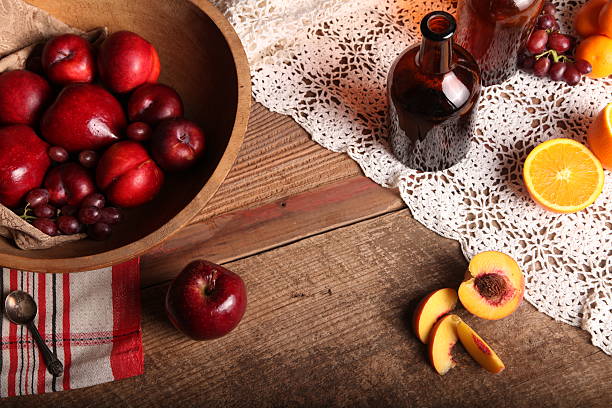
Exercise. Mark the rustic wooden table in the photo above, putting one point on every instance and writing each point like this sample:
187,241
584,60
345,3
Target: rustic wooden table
334,265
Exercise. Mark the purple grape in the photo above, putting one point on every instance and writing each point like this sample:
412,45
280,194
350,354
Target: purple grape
58,154
558,42
528,62
68,224
44,211
584,67
571,75
556,71
37,196
88,158
93,200
572,47
546,22
138,131
541,67
70,210
111,215
99,231
556,27
549,8
536,43
89,215
45,225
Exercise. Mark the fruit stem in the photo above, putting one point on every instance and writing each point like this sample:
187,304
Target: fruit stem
555,56
25,214
210,285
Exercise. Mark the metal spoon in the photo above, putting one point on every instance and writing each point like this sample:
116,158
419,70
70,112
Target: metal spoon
20,308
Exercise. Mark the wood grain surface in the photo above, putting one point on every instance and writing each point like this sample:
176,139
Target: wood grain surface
241,233
277,160
327,324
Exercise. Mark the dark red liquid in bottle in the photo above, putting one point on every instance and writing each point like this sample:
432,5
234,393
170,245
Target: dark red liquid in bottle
494,31
433,89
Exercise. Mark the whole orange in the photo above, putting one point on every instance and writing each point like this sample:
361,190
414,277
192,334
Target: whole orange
587,18
597,50
605,20
599,137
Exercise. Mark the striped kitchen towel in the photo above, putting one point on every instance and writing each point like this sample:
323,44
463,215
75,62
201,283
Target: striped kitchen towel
91,320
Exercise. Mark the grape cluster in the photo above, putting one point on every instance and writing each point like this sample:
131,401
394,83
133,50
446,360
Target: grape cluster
91,215
548,52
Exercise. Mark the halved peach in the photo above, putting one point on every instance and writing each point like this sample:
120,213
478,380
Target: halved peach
442,339
478,349
430,309
493,286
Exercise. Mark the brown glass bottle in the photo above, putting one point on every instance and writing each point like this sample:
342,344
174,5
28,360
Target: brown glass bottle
433,89
494,31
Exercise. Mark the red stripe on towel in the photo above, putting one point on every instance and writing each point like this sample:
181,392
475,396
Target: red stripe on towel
126,355
12,373
27,342
66,329
42,315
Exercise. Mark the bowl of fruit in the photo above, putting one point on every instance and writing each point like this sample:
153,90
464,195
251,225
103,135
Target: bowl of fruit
111,147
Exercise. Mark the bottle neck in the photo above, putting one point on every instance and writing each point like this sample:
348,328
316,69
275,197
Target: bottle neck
435,57
436,53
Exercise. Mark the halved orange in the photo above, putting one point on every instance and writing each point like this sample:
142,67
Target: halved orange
599,136
563,175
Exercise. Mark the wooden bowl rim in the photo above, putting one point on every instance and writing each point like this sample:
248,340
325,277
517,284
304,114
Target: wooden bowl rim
134,249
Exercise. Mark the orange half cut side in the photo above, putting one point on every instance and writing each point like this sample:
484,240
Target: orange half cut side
563,175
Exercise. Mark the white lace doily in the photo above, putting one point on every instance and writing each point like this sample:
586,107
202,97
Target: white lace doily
324,62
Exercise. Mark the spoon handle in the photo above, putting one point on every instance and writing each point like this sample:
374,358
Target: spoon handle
54,366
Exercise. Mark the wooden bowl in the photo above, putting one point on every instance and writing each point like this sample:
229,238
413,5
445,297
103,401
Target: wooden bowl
203,59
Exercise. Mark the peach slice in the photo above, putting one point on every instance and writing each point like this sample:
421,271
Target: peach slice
493,286
442,339
478,349
430,309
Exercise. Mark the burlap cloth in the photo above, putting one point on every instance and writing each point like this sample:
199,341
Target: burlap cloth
22,27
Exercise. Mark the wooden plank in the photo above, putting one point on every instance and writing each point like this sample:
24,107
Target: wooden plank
244,232
278,159
328,324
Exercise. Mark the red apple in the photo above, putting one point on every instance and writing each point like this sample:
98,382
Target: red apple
127,174
152,103
206,301
176,144
23,163
69,184
68,58
83,117
23,96
126,60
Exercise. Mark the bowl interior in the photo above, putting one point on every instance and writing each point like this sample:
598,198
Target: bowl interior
199,63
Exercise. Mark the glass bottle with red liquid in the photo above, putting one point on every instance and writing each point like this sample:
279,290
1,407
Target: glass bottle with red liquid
433,88
494,31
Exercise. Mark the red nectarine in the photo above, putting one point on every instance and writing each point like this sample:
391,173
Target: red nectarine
127,174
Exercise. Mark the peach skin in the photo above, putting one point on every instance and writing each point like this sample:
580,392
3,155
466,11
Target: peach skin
430,309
